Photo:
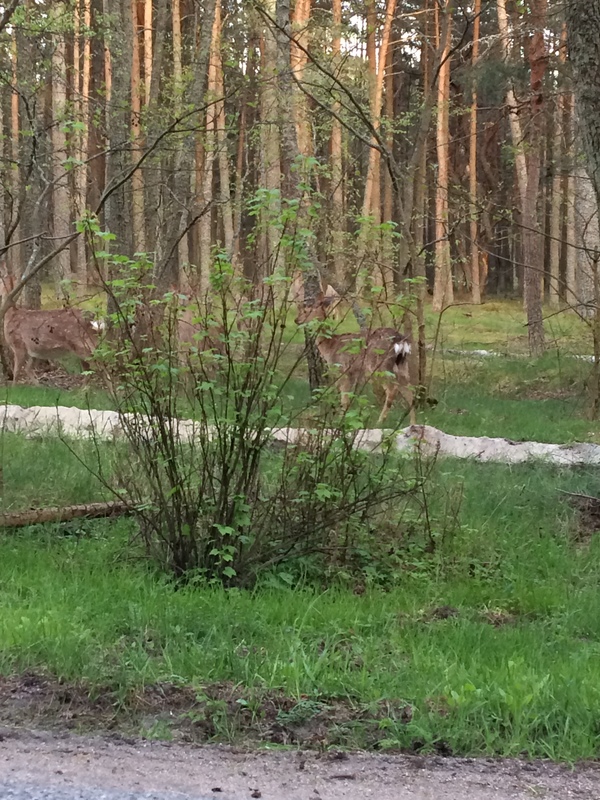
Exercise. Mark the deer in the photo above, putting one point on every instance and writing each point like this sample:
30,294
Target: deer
379,356
47,335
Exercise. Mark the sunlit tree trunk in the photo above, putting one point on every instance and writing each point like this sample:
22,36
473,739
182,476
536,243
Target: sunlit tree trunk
299,59
371,209
183,252
61,206
473,226
511,102
137,179
147,48
337,186
443,294
270,159
82,106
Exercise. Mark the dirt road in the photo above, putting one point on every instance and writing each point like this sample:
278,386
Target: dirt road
64,762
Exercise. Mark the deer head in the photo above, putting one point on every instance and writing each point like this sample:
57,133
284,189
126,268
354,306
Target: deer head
320,309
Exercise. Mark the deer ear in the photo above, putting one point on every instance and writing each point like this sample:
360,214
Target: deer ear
327,301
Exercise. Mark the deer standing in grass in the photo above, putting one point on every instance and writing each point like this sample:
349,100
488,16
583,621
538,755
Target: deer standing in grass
379,356
47,335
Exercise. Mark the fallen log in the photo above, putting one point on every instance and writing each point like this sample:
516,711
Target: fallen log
33,516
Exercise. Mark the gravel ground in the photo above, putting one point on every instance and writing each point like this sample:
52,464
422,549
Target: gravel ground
66,767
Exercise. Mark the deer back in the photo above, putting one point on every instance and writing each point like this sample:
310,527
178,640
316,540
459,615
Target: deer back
50,334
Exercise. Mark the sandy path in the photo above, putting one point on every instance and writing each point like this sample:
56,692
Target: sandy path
227,773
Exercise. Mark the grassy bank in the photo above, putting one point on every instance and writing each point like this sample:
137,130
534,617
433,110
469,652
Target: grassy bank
489,645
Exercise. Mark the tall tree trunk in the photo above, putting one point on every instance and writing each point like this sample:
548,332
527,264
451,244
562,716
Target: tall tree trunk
371,209
83,116
299,60
337,175
270,159
15,259
443,294
588,237
558,187
206,165
291,190
147,49
118,160
137,179
571,238
583,26
61,206
225,205
533,243
183,252
473,226
511,102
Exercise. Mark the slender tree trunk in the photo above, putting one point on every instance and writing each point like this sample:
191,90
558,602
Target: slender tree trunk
511,102
473,226
61,204
443,294
118,160
81,173
572,239
225,205
371,210
206,165
183,251
270,159
299,60
588,237
15,259
337,175
559,181
137,180
147,48
290,186
533,243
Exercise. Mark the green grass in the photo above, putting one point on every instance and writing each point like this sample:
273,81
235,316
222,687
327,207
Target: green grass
73,606
515,668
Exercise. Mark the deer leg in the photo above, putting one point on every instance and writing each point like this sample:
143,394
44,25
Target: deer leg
390,395
19,359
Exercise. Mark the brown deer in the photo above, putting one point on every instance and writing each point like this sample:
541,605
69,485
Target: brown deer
46,335
380,355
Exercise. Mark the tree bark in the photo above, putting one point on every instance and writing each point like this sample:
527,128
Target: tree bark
137,179
83,115
583,27
443,293
337,174
473,226
533,244
61,205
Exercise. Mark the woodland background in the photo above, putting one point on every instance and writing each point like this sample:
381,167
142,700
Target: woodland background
437,140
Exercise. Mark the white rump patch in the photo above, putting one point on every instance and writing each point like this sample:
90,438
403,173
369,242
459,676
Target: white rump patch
98,325
402,348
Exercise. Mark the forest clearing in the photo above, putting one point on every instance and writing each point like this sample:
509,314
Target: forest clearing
271,260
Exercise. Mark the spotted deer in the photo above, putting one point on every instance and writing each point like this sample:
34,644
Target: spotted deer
47,335
379,356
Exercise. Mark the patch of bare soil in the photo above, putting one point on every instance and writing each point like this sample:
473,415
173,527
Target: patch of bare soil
588,516
184,714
